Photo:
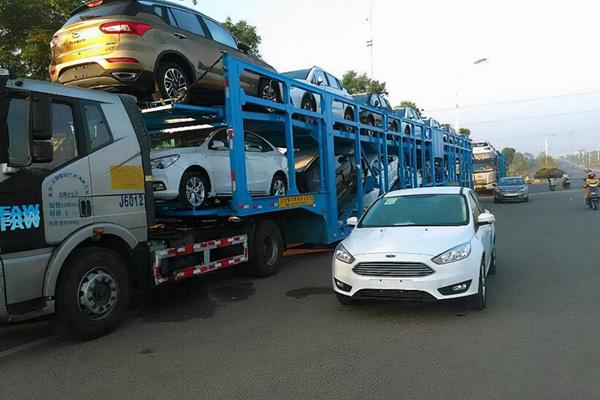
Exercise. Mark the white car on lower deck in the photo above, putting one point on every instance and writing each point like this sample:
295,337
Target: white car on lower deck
194,166
423,244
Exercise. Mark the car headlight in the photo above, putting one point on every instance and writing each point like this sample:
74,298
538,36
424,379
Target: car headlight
164,162
453,255
523,189
343,255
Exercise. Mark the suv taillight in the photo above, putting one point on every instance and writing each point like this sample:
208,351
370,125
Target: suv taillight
125,27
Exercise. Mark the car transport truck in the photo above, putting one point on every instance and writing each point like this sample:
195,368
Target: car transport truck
79,224
489,166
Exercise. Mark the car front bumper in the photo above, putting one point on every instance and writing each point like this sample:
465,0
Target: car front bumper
165,182
511,196
407,287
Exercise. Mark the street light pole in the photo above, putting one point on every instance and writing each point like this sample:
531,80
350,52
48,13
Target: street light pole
457,109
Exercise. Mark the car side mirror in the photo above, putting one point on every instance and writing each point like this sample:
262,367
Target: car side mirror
43,152
217,145
352,221
486,218
244,47
40,117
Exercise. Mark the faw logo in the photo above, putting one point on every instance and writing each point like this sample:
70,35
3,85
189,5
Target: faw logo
19,218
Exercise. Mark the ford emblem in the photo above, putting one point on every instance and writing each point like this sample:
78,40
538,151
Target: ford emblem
75,35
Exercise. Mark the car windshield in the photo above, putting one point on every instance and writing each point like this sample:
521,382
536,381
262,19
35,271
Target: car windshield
192,138
120,8
301,74
511,182
417,210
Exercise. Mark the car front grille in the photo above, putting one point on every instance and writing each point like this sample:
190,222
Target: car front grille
390,294
388,269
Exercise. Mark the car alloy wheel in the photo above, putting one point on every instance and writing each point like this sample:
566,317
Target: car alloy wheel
279,186
195,191
175,84
308,104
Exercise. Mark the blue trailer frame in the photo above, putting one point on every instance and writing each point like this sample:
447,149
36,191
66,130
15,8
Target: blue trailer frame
442,157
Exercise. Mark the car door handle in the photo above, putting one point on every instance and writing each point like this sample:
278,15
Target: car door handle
179,35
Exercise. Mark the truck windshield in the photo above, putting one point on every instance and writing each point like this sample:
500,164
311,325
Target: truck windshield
417,210
483,166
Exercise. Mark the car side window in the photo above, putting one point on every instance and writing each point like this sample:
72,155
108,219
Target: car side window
319,75
479,205
188,21
333,82
221,136
474,206
98,132
220,34
254,144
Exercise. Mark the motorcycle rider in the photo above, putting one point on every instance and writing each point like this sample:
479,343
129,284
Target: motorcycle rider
590,180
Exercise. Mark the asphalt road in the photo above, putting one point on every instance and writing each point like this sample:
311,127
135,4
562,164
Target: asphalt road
286,337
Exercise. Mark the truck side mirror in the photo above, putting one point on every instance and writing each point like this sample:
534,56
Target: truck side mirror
43,152
40,118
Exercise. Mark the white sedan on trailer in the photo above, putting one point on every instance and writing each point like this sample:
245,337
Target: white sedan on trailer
193,166
420,244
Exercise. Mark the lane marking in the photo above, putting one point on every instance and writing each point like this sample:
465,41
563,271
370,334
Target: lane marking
26,346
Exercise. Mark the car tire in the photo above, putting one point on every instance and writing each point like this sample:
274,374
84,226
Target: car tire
267,249
344,300
309,104
268,89
349,116
102,274
193,190
394,127
479,301
370,122
279,185
492,270
172,79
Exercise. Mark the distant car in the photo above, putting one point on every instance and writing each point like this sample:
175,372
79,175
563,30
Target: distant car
432,123
449,129
134,46
511,188
195,166
320,78
377,101
407,113
308,177
418,244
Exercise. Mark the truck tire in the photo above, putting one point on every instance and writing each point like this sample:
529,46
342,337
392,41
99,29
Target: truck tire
92,294
266,249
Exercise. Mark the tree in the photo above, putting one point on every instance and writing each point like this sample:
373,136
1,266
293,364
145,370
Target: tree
356,83
464,132
509,154
245,33
26,29
408,104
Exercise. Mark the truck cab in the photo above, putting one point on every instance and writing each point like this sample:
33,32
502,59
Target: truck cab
72,182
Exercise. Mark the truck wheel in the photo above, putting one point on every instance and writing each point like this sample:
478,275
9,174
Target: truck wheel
267,249
92,294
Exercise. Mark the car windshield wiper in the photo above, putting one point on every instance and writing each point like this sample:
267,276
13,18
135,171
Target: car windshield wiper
405,224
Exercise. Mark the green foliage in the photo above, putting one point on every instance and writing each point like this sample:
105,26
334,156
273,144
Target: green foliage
522,164
27,27
245,33
546,173
361,83
546,162
464,132
509,154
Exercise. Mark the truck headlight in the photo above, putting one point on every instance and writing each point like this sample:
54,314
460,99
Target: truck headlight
453,255
343,255
164,162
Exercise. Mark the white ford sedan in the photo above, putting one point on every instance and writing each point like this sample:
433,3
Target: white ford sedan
194,166
418,244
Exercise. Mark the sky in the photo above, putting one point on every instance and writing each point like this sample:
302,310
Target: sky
541,81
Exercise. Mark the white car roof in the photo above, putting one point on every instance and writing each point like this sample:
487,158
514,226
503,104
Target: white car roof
429,190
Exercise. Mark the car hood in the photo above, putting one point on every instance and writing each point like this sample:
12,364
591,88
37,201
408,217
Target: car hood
154,154
430,241
512,188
